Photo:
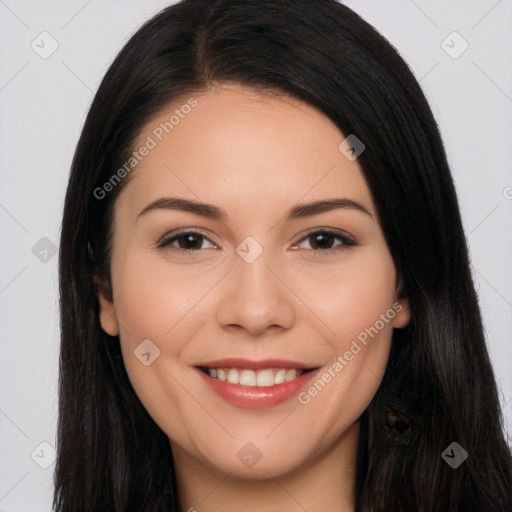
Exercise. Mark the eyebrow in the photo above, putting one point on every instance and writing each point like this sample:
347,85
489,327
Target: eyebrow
216,212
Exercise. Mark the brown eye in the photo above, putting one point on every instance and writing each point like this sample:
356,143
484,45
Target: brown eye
327,240
189,241
321,240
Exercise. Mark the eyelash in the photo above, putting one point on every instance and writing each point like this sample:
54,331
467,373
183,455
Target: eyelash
165,242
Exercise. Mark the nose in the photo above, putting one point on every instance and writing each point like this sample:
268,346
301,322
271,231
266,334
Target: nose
255,298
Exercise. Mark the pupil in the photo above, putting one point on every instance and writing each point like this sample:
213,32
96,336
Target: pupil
190,241
321,240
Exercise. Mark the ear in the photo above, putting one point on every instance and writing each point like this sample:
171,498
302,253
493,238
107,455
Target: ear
401,307
108,317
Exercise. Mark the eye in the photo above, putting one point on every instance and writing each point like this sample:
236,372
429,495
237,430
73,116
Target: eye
186,240
323,241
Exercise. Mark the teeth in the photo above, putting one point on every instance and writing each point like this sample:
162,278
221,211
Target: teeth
261,378
290,375
247,378
265,378
280,377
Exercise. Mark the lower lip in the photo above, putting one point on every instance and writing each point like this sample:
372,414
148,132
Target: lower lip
257,397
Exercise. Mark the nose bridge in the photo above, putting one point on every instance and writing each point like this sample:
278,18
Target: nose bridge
254,298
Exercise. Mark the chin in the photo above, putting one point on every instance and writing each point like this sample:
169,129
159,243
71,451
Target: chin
246,461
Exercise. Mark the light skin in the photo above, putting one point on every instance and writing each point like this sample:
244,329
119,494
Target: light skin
257,156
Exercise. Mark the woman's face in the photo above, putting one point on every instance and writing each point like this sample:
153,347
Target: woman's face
251,287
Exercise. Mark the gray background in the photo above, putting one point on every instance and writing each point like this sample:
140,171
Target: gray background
43,103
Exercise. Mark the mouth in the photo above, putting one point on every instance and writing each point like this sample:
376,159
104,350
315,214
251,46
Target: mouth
262,377
256,384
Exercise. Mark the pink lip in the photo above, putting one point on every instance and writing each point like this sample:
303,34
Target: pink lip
253,396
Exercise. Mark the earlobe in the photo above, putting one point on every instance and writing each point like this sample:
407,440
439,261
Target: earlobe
108,317
402,309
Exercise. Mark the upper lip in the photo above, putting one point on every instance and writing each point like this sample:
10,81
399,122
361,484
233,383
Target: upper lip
233,362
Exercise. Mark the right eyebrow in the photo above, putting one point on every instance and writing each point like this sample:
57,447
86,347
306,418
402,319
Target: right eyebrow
187,205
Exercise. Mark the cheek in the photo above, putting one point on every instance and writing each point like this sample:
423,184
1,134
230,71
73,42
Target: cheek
151,300
356,305
161,302
157,303
352,297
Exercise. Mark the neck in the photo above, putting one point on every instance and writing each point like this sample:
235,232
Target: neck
325,482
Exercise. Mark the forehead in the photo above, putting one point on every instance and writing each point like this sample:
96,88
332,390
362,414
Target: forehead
235,143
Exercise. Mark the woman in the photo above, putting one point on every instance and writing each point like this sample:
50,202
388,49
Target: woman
266,299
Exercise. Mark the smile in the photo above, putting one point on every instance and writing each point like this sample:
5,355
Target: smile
261,378
257,385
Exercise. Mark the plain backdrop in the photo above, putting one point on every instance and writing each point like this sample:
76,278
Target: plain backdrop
53,56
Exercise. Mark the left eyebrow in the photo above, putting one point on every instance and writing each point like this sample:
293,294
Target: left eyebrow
317,207
216,212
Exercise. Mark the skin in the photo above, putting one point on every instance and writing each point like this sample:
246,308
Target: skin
256,155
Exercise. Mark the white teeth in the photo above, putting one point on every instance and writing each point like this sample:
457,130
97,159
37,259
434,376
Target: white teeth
290,375
247,378
280,375
262,378
233,376
265,378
